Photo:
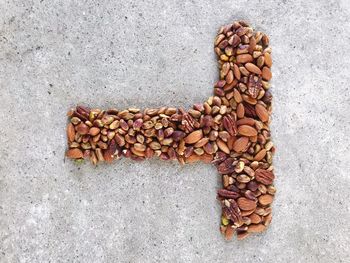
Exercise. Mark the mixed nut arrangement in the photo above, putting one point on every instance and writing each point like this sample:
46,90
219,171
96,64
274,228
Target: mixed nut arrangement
229,130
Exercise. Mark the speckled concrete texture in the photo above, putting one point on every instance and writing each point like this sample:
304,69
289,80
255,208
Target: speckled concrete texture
55,54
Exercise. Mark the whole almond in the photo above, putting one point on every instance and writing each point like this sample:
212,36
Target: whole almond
229,77
256,228
252,68
246,204
70,132
94,131
240,110
244,58
82,128
229,232
241,144
268,59
246,121
222,146
74,153
247,130
262,113
201,142
266,73
260,155
255,219
236,72
193,158
265,199
248,212
237,96
252,44
242,235
206,158
249,99
194,137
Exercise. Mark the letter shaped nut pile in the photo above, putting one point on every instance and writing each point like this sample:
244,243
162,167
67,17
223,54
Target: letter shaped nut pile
230,130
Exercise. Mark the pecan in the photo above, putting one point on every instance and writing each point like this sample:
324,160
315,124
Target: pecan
85,111
187,122
228,194
230,125
226,167
264,176
249,110
219,158
254,86
233,212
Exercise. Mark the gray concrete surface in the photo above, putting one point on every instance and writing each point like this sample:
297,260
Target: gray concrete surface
54,54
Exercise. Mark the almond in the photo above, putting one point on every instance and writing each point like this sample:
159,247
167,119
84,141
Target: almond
242,235
256,228
74,153
94,131
201,142
252,44
222,146
267,220
193,158
249,99
82,128
241,144
268,59
244,58
266,73
229,77
265,199
248,212
70,132
230,142
236,72
260,155
229,233
230,86
237,96
254,218
246,121
240,110
194,137
247,130
206,158
252,68
262,113
246,204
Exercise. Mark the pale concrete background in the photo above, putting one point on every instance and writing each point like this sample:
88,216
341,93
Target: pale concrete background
55,54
